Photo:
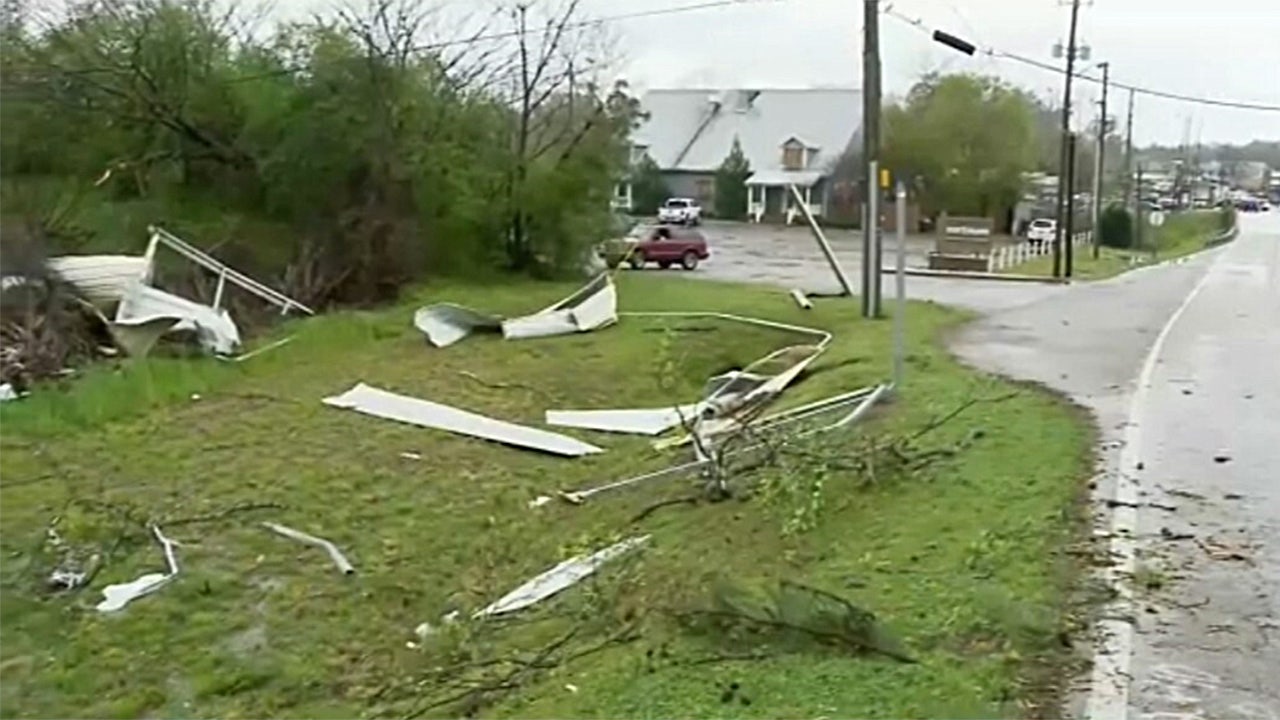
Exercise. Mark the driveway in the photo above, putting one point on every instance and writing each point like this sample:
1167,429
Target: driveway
1180,365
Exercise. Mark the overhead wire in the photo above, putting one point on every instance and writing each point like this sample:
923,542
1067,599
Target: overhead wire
1141,90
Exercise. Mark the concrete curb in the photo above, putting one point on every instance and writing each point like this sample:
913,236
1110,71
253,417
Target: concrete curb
923,272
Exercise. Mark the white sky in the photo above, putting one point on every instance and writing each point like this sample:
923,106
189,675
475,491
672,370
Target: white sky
1226,49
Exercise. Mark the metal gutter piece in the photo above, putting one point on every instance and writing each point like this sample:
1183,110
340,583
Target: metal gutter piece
558,578
334,553
640,421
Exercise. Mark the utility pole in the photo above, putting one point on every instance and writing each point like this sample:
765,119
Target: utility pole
1066,130
1128,151
1100,160
1138,224
870,157
1071,203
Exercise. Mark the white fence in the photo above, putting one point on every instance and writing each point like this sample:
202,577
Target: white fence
1008,256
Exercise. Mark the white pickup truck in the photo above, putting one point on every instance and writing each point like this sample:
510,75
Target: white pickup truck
681,211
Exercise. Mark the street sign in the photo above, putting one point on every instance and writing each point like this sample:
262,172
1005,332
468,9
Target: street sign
1155,219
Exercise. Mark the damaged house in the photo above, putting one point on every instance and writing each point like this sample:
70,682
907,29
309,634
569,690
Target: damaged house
789,136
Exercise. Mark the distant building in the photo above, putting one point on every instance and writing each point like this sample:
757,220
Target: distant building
789,136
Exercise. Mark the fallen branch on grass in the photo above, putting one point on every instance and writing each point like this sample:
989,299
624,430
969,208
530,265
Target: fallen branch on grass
790,612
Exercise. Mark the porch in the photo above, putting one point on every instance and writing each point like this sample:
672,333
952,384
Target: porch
769,196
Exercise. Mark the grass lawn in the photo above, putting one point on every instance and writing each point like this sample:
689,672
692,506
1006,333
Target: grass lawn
963,561
1182,234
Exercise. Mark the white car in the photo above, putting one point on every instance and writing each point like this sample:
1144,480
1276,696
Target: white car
682,211
1042,231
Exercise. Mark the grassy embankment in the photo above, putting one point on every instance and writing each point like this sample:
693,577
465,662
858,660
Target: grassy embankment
965,561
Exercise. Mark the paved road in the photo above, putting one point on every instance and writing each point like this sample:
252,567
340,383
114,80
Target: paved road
1180,364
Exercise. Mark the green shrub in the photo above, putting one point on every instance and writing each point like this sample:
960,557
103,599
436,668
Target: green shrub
1116,227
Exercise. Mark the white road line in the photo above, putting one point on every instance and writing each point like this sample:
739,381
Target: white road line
1109,684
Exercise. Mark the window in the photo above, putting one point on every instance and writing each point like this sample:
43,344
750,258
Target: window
792,156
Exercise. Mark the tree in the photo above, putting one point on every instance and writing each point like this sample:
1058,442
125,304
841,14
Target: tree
967,140
369,153
648,189
731,184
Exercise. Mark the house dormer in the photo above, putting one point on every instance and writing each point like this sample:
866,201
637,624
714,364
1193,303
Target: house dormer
796,154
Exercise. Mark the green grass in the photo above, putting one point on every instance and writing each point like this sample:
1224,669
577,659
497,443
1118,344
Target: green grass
964,561
1182,234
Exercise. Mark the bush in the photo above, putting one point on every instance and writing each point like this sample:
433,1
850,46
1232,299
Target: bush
1115,227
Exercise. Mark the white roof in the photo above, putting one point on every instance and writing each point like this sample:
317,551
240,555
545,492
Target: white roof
693,130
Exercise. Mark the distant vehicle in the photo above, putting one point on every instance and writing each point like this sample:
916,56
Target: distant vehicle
1248,204
1041,230
684,211
665,245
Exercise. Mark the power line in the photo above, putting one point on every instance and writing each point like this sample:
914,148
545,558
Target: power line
533,32
994,52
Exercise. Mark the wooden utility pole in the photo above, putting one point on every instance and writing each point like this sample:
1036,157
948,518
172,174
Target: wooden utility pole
1066,130
1069,230
1128,151
870,157
1101,166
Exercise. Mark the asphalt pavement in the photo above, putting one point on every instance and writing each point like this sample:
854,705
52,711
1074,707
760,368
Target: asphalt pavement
1180,365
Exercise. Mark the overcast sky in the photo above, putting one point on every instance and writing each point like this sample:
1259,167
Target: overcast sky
1225,49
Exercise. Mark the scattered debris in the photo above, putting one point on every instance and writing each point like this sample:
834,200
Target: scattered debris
1218,550
424,413
1232,496
1113,503
1186,494
539,501
593,306
7,392
334,553
1222,458
411,456
558,578
61,579
798,295
115,597
1167,534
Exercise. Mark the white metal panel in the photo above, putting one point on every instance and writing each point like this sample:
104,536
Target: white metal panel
424,413
102,279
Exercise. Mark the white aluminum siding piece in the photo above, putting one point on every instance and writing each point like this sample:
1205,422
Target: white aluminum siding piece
103,280
115,597
424,413
558,578
145,305
593,306
445,324
647,421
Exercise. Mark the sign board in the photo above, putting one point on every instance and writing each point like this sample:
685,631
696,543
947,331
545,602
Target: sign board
885,179
965,227
1155,219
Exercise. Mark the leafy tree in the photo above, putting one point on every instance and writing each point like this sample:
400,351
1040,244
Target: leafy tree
373,161
648,189
968,139
731,188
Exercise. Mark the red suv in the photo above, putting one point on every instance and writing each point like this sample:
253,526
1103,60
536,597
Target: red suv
662,244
